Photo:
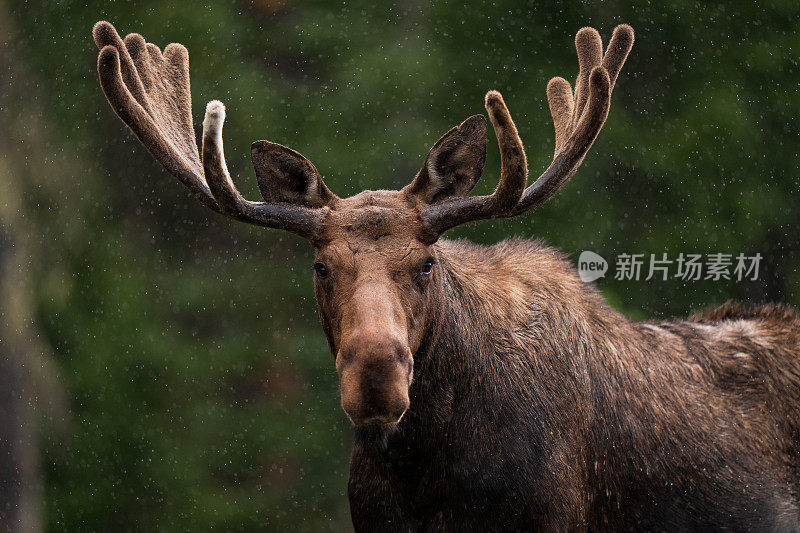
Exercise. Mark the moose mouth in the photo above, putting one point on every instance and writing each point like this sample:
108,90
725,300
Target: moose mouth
376,433
381,422
368,405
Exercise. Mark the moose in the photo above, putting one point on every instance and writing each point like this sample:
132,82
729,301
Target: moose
489,387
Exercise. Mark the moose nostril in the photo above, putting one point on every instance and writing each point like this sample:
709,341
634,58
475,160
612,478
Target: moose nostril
374,381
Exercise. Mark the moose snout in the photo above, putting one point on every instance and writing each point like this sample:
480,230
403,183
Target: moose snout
374,376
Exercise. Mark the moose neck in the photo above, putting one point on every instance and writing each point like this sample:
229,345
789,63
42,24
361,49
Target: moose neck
514,314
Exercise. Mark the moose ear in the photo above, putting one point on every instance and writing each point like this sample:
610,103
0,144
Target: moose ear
454,164
284,176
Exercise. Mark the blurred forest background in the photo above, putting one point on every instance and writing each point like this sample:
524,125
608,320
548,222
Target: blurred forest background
162,367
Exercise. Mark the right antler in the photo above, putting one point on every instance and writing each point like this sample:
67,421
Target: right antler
577,118
150,93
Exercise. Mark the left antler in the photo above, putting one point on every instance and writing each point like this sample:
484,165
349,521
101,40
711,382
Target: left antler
149,90
578,119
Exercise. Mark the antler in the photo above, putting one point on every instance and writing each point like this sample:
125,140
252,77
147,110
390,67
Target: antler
149,90
577,117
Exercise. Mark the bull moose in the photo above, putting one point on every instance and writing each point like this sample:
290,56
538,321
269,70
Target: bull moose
490,388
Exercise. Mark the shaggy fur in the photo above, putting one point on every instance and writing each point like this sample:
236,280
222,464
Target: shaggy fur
492,390
566,415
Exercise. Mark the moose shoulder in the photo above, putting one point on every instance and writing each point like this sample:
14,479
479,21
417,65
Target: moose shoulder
490,388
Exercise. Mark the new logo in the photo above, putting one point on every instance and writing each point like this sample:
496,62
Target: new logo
591,266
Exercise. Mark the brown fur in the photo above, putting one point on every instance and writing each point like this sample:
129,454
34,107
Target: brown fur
491,389
566,415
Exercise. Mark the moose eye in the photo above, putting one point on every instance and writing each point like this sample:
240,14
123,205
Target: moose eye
321,270
428,265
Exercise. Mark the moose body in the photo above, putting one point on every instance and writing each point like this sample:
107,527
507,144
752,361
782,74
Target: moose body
490,388
535,405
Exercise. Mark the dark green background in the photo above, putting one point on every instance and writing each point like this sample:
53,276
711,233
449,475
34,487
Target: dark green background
200,391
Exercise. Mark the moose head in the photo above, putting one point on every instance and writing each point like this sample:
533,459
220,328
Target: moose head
376,262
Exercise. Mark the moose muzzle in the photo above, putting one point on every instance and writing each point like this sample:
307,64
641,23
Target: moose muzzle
375,374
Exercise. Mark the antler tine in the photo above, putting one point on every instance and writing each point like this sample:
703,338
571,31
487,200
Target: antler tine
120,79
589,47
149,90
230,201
578,119
617,52
513,176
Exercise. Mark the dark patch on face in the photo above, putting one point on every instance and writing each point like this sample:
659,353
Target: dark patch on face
372,219
368,223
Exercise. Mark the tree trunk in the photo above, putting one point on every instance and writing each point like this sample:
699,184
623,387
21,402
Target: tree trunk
28,379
